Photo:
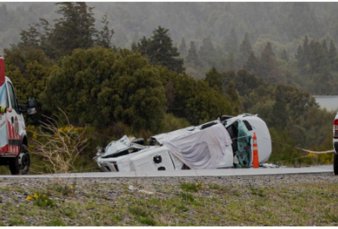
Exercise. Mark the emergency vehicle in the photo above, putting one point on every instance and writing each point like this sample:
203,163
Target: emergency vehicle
13,135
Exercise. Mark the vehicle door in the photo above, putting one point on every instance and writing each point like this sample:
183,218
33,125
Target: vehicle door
13,119
3,120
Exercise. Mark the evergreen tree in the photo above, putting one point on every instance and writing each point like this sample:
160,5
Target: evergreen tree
30,37
232,94
252,65
316,57
325,63
104,36
75,29
160,50
231,45
207,53
183,48
306,50
268,63
302,55
215,80
245,50
142,46
230,61
284,55
192,57
332,56
279,110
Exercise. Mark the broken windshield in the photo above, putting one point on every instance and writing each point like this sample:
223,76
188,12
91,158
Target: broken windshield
241,142
243,145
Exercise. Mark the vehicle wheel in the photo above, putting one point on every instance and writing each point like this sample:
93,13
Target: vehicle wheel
335,164
20,164
14,166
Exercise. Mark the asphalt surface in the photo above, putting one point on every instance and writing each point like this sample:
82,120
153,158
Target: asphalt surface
189,173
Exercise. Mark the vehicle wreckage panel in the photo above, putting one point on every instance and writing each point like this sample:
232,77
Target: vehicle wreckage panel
206,148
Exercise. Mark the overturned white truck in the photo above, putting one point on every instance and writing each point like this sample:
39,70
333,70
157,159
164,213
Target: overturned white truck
222,143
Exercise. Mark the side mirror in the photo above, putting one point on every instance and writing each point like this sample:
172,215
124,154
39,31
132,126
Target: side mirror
31,106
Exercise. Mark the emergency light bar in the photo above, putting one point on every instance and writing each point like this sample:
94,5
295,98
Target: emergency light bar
2,71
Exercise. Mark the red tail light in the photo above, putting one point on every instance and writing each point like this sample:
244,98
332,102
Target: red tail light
335,128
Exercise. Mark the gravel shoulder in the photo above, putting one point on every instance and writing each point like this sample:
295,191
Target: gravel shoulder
287,200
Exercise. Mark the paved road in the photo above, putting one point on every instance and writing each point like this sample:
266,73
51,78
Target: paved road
189,173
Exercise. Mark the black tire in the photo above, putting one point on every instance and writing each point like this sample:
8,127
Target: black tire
15,167
335,164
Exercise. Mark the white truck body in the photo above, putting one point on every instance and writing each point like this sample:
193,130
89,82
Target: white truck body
222,143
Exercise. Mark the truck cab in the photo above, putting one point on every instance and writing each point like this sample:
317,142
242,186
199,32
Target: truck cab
13,135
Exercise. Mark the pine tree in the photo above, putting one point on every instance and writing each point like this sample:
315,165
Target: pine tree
214,79
30,37
306,50
284,55
268,63
183,48
103,37
279,109
231,45
299,55
252,65
230,61
192,57
245,50
207,53
75,29
302,55
332,55
317,58
160,50
325,63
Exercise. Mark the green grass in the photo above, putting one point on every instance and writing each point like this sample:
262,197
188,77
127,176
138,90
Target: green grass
64,203
191,187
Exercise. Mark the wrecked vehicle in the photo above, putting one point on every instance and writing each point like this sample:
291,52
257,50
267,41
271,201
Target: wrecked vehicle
222,143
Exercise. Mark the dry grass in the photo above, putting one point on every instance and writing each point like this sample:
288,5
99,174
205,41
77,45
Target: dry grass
59,145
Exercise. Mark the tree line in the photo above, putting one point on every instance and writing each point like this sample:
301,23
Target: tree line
313,66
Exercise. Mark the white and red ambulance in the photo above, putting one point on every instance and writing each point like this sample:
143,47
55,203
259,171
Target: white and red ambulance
13,136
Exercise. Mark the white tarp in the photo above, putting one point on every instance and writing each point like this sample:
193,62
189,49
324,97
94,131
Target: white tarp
204,149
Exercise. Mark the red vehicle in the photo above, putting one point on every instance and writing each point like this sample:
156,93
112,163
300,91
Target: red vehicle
13,136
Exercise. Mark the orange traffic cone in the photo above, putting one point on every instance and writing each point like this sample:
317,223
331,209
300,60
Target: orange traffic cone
255,160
